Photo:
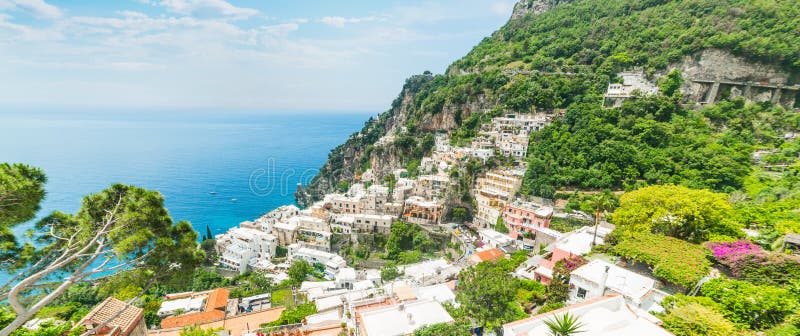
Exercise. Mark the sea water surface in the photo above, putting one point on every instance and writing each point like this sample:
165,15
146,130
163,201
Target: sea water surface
215,169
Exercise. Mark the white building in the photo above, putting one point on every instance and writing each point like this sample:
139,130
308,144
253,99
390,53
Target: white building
606,316
403,318
346,277
369,223
632,81
332,262
182,306
599,278
312,232
440,293
428,272
239,247
495,239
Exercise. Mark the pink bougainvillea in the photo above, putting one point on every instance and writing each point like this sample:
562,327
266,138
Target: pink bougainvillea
738,254
735,249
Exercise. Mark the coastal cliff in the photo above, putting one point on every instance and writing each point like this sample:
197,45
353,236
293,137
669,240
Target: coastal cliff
555,55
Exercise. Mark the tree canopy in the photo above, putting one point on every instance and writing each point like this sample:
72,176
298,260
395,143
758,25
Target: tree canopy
123,230
21,192
486,295
677,211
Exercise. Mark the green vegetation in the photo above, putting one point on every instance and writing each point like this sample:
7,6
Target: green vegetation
488,297
299,271
564,325
407,242
500,226
558,289
389,271
679,262
295,315
198,331
21,192
677,211
687,316
757,307
123,224
443,329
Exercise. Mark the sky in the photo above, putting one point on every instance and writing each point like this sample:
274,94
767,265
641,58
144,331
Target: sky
259,55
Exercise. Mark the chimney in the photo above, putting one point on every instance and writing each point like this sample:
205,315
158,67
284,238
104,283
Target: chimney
603,281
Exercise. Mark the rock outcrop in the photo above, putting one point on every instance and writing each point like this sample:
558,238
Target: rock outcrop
524,7
713,74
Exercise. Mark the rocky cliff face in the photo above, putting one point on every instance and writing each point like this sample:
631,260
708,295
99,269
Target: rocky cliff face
524,7
379,147
713,74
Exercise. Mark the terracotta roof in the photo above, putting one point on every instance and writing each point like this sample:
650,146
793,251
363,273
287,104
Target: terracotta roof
236,325
489,255
214,310
123,324
218,299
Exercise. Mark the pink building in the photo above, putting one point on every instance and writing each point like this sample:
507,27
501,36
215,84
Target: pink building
346,205
575,243
521,218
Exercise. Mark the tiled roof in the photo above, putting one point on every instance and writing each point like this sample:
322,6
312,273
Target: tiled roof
490,254
237,325
123,324
218,299
214,310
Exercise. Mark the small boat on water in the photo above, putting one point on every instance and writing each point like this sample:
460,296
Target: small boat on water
212,192
233,200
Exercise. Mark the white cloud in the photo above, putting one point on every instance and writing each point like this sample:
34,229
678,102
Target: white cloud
221,7
38,8
501,7
340,21
197,54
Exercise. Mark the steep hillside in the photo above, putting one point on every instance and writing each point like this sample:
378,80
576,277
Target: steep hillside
555,54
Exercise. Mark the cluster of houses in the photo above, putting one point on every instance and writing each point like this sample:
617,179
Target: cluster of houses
608,299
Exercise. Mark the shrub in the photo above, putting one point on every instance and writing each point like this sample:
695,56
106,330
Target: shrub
694,319
672,259
758,307
748,261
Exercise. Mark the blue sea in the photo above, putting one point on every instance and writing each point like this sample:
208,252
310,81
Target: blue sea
214,169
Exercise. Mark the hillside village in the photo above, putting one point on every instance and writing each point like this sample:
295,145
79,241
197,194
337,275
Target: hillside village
578,192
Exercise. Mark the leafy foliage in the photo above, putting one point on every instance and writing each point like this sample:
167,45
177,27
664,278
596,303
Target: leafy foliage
687,317
486,295
689,214
299,271
674,260
389,271
408,241
443,329
564,325
21,191
758,307
295,315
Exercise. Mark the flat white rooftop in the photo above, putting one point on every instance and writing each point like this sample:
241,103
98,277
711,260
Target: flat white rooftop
186,304
439,293
606,316
580,241
627,283
404,318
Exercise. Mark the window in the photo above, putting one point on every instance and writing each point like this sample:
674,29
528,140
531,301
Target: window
581,293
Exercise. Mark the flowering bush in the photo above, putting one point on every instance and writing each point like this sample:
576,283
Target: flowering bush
747,260
733,250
